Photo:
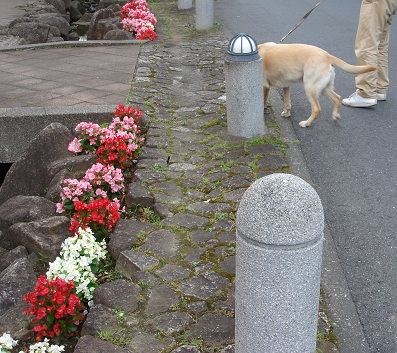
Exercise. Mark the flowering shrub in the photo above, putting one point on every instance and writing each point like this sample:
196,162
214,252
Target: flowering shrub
100,181
101,215
137,18
120,142
94,206
45,347
122,111
79,260
7,343
88,139
114,144
56,309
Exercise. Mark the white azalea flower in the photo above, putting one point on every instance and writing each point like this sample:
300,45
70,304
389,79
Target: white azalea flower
77,256
7,342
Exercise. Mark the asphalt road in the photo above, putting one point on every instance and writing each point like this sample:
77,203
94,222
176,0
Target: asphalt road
352,163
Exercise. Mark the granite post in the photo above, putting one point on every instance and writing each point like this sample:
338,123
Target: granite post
280,231
185,4
244,95
204,14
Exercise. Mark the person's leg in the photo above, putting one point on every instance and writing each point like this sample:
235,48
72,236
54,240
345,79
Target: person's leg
366,46
383,77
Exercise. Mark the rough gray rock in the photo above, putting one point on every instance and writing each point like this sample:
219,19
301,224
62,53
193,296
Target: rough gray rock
52,20
59,5
118,34
103,4
31,32
95,32
25,209
10,256
30,175
42,237
48,21
15,281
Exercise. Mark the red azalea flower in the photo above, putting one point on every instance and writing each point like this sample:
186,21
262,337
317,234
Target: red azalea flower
57,299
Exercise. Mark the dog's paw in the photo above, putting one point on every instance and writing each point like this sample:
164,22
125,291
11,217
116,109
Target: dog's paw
286,113
304,123
335,117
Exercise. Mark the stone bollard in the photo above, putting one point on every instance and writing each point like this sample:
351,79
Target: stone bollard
185,4
204,14
244,88
280,224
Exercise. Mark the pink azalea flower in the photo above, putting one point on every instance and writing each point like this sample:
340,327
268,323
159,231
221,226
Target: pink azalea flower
75,146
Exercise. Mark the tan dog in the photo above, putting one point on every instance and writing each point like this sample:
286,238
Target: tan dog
284,64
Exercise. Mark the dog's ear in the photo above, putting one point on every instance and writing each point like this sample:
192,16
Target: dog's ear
270,45
262,48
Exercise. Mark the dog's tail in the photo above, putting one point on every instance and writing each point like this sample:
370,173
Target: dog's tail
353,69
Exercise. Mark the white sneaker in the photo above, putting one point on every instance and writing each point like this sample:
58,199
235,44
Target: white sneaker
381,96
355,100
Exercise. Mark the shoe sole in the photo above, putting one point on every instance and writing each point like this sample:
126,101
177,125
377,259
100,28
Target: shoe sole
359,105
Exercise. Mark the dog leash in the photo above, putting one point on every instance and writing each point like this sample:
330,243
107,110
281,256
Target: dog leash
301,20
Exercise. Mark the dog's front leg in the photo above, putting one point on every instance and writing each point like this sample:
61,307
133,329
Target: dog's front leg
287,102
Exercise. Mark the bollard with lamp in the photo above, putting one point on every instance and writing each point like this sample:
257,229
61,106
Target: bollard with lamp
185,4
244,88
204,14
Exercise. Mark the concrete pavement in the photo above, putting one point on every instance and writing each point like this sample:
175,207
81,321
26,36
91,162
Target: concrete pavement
65,81
11,9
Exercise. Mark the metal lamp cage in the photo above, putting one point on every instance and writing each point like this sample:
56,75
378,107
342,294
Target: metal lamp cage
237,45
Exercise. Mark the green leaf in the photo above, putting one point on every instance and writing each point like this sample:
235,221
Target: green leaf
50,318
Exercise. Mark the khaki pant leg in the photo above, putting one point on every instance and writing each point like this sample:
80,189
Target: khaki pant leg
383,65
371,47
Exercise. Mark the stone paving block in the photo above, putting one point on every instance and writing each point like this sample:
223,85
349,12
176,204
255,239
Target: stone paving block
90,344
204,286
119,294
162,243
171,272
172,323
132,261
214,328
160,299
209,208
136,195
125,235
145,343
100,318
186,220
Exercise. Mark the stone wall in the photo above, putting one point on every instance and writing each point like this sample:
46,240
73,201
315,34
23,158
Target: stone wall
49,21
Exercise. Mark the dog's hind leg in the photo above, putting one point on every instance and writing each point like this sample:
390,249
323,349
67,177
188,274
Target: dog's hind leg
312,96
336,100
286,113
265,95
